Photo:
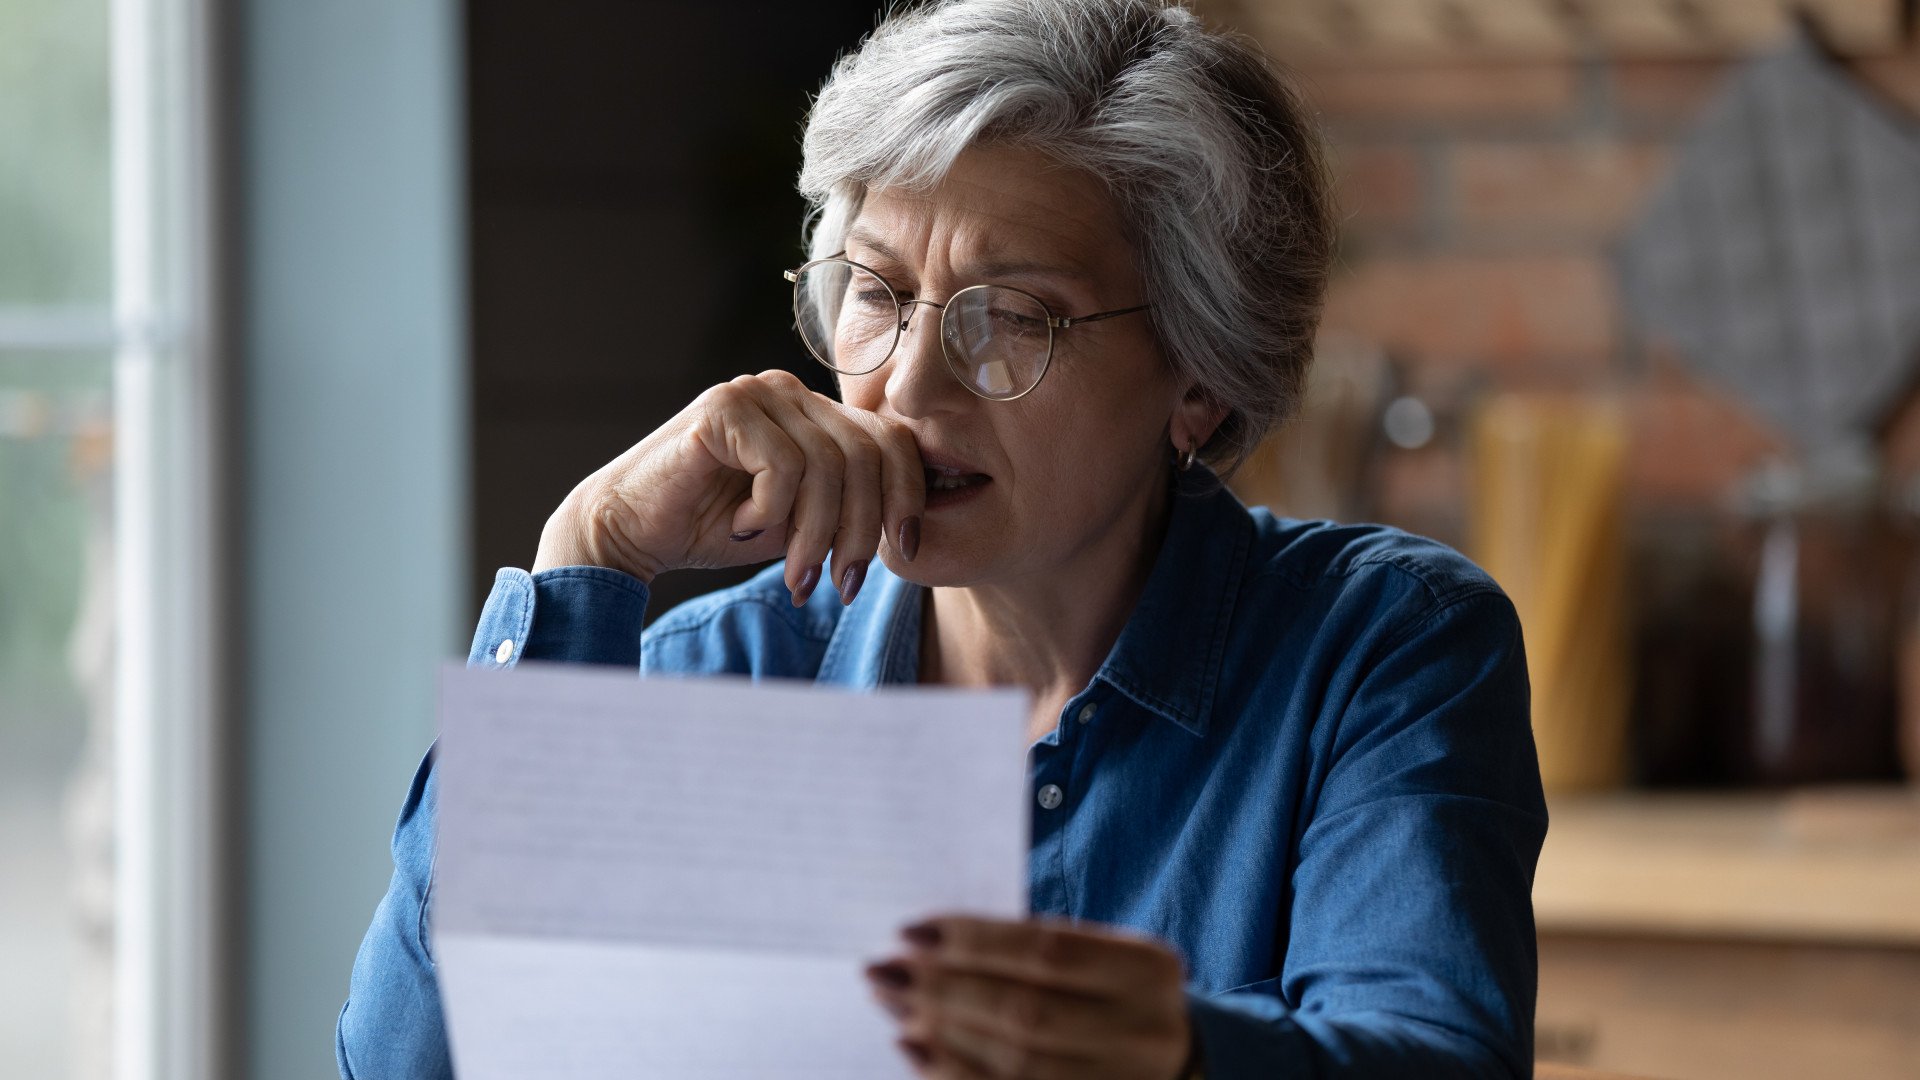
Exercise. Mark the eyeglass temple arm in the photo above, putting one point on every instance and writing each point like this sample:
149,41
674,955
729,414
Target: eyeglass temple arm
1075,320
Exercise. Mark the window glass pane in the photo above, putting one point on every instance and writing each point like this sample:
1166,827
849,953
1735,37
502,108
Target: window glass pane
55,227
55,817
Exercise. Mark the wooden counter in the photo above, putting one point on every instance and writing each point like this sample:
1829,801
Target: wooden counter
1840,865
1745,937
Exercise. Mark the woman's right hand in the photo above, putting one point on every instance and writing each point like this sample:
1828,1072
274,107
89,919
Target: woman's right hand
754,468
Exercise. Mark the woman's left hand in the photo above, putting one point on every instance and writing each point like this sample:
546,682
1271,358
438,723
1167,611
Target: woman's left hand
1036,1000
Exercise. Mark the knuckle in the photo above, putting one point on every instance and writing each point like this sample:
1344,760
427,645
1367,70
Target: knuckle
863,458
1054,950
781,379
828,454
787,457
1025,1011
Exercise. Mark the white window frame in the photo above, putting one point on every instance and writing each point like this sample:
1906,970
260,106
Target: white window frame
171,960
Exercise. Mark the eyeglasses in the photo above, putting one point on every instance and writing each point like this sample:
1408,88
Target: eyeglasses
998,340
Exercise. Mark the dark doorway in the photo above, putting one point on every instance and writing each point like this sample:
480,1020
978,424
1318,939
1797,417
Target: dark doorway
631,206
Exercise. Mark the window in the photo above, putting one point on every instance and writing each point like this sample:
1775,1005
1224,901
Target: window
106,507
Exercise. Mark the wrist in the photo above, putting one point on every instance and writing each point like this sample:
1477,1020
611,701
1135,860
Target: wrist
573,536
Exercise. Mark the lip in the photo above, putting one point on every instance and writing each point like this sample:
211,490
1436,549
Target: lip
940,500
947,463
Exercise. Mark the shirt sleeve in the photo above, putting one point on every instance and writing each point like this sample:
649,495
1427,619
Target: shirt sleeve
391,1027
1411,946
586,615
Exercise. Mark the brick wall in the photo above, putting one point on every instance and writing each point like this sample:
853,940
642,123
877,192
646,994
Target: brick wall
1481,202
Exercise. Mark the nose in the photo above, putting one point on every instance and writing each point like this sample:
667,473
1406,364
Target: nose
918,382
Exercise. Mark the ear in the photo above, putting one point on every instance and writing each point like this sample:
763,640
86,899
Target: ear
1195,419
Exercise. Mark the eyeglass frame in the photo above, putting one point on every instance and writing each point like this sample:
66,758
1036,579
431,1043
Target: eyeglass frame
1054,322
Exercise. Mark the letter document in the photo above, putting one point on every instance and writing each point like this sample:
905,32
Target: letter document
683,878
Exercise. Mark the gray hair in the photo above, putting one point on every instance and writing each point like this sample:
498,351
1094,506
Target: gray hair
1214,163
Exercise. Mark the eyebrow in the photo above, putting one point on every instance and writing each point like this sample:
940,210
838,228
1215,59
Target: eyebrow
993,267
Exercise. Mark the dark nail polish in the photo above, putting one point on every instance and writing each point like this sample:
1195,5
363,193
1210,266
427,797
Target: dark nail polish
805,588
910,537
925,935
892,973
851,581
916,1050
748,535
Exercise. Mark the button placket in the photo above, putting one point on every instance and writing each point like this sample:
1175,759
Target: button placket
1050,796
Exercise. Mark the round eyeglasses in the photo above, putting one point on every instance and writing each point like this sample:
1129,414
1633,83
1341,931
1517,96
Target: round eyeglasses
998,340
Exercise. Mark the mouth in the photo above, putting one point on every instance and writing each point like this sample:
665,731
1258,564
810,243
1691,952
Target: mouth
949,480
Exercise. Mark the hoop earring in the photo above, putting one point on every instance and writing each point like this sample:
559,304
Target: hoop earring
1185,461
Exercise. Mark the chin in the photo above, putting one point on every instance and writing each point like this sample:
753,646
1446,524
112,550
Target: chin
939,567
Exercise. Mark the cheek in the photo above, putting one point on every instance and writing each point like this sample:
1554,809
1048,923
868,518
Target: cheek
1068,460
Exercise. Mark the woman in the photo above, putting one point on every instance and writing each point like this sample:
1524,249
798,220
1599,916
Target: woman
1067,264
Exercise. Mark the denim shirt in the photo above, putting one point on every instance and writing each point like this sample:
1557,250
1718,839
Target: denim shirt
1306,765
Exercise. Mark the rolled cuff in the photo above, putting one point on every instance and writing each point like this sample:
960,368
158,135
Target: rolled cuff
570,614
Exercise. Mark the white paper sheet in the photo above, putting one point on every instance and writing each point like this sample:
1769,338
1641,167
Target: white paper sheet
683,878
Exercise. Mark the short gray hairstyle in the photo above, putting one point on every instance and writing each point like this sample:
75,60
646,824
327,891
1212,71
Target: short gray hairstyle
1214,161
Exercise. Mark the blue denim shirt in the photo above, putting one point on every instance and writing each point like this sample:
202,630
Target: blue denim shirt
1306,764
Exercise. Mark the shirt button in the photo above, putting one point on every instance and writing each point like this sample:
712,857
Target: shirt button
501,654
1086,712
1050,796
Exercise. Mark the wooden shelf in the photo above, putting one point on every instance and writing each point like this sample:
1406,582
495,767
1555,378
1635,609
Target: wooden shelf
1829,865
1425,30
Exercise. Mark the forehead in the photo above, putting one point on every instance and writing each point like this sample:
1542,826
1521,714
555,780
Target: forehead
1000,205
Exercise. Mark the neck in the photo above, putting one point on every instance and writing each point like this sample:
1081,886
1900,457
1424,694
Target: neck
1048,630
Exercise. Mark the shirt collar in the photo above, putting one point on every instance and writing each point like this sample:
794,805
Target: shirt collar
1169,655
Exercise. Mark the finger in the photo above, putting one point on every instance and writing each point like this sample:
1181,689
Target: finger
1020,1015
970,1053
737,432
816,506
903,480
918,1054
945,1061
861,522
1105,963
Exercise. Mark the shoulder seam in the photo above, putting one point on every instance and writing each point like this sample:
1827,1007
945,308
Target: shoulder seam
1435,593
1457,599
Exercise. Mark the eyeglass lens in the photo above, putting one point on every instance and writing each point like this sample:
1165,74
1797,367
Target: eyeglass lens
996,339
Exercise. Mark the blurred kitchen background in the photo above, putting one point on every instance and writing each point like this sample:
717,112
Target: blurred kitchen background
311,312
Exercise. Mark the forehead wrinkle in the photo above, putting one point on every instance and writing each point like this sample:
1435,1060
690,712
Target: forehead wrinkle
991,262
1000,212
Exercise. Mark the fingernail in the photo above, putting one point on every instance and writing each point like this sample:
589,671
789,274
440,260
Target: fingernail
748,535
925,935
805,588
910,537
915,1050
898,1009
892,973
851,581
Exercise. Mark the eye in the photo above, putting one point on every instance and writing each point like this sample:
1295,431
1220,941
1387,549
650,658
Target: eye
868,291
